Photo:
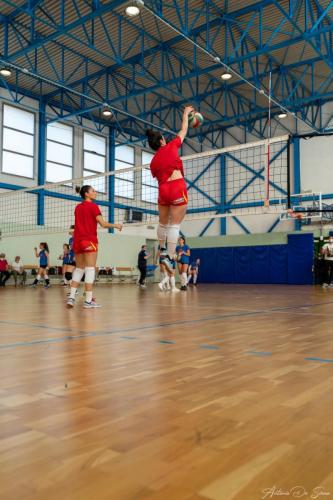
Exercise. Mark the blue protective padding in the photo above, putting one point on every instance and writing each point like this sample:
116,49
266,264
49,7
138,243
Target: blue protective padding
259,271
224,265
300,259
278,264
242,264
262,264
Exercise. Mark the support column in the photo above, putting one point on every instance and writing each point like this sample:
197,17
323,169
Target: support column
41,163
111,179
223,189
297,173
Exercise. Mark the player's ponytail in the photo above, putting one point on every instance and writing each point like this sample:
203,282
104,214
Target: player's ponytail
45,245
82,190
154,139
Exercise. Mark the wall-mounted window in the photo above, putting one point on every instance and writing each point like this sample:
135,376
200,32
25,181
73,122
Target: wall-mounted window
124,181
149,186
94,159
18,142
59,152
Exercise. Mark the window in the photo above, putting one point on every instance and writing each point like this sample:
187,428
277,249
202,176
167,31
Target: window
124,181
149,184
94,159
18,142
59,152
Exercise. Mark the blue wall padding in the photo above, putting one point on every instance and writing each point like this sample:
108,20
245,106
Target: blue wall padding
278,264
300,259
271,264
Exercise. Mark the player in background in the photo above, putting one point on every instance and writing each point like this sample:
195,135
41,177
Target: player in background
193,272
183,258
43,254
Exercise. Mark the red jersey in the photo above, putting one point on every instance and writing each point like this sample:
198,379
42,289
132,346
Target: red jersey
166,160
3,265
85,221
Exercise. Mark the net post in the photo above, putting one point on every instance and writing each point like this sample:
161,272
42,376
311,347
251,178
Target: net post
41,163
111,179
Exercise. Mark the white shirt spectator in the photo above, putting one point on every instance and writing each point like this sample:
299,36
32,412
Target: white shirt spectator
17,266
328,248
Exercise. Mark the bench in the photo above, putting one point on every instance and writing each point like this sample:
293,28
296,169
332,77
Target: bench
125,273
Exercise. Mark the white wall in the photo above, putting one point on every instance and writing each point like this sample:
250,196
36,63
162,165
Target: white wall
114,250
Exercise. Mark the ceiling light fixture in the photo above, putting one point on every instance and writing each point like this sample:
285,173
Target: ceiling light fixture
226,76
282,115
106,111
5,71
133,10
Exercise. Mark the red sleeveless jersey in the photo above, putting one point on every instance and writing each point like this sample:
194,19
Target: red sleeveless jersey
166,160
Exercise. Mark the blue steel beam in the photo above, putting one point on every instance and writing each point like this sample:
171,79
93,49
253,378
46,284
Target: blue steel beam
268,2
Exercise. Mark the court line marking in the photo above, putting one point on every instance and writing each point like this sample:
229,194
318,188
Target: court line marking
259,353
320,360
209,346
82,334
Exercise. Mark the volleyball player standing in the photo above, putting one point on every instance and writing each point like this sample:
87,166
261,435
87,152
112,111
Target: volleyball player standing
87,217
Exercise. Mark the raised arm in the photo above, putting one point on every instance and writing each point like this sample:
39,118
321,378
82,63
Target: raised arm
107,225
183,131
36,252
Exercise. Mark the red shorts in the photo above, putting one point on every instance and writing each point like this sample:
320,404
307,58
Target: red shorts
173,193
84,246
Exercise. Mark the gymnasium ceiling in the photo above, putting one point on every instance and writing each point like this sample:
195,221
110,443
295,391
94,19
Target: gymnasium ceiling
75,55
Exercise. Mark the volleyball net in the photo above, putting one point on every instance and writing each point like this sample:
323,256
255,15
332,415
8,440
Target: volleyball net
221,183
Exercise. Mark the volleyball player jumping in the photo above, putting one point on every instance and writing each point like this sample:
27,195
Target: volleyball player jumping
87,216
167,168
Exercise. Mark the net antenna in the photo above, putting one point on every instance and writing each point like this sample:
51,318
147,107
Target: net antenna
268,147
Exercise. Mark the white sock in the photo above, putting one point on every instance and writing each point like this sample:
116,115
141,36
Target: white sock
189,279
164,280
173,234
89,296
173,282
184,279
195,277
72,294
38,277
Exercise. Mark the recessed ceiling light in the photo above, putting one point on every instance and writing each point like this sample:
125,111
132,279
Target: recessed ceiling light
132,10
226,76
282,115
5,72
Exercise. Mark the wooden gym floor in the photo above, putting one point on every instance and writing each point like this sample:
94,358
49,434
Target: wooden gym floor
222,393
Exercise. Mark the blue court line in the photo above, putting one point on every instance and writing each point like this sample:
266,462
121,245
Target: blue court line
209,346
259,353
320,360
82,334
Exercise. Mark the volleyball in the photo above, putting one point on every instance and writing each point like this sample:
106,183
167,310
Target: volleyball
195,119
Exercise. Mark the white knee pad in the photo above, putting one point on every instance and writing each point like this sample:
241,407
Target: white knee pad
173,233
162,230
89,275
184,279
77,274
